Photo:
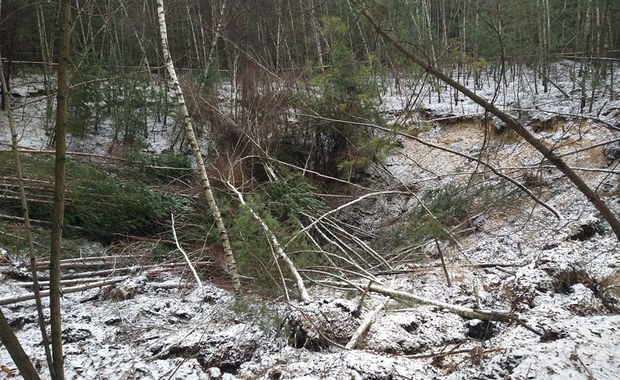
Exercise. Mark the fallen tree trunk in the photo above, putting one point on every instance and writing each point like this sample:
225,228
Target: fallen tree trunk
74,289
465,312
130,269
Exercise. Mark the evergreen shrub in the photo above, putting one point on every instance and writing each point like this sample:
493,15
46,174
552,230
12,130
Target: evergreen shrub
98,204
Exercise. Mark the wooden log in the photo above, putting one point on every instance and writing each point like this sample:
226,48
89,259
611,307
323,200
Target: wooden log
74,289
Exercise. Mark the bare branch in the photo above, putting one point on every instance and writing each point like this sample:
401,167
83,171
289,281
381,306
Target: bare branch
457,153
189,263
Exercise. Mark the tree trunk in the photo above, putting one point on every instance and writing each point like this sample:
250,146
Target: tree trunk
46,57
24,201
216,37
59,188
200,165
556,160
7,336
316,34
15,349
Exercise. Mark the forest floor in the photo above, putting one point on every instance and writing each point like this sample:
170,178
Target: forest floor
559,278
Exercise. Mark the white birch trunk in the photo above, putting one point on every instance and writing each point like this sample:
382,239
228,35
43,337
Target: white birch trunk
216,36
200,165
316,34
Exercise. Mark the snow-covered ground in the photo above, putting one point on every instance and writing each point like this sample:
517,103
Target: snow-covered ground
560,277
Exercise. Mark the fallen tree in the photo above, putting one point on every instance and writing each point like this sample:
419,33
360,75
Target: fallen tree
465,312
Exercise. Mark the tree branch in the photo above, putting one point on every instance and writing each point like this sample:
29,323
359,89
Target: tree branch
189,263
303,293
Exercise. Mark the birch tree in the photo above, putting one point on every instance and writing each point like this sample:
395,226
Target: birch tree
191,136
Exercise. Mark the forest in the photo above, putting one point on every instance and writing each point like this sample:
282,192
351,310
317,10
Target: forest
316,189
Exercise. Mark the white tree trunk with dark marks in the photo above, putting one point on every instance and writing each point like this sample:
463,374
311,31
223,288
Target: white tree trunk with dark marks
191,136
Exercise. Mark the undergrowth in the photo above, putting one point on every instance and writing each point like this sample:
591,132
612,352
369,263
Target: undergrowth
283,206
136,198
99,205
451,208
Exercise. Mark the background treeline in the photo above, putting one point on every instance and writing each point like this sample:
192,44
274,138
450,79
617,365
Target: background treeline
285,34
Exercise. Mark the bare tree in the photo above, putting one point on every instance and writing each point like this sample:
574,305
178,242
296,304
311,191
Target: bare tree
29,237
7,336
59,189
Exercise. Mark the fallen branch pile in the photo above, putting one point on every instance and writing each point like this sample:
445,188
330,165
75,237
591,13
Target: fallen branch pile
94,272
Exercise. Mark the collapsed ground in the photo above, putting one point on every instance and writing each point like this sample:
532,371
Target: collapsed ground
509,255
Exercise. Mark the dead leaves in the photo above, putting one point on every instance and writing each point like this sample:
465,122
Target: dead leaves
7,371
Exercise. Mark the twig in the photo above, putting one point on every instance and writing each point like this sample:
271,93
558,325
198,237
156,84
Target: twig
576,358
345,258
335,210
364,246
443,263
343,246
189,263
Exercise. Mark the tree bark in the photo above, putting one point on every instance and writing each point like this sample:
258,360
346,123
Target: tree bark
556,160
15,349
216,37
200,165
59,189
316,34
7,336
24,201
